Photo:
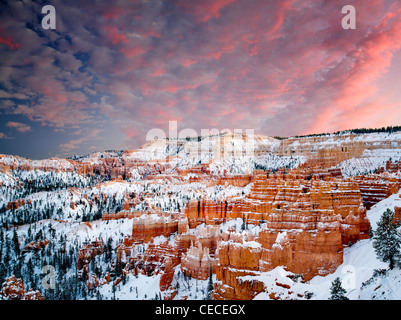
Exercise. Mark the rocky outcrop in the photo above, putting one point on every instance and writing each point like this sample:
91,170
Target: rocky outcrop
149,226
297,219
197,262
208,212
167,277
13,289
237,257
88,252
377,187
14,205
94,281
330,150
393,167
35,246
397,214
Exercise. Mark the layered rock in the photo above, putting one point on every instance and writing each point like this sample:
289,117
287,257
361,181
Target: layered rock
393,167
167,277
397,214
207,211
149,226
377,187
305,224
237,257
330,150
94,281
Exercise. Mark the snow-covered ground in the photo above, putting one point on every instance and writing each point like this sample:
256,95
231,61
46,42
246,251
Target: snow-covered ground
369,162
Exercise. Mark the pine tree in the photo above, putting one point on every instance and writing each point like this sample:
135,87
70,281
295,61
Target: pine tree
29,234
371,233
3,273
337,291
16,243
386,240
210,286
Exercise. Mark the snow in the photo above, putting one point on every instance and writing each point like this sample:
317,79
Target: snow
377,210
159,240
368,162
281,237
192,289
140,287
7,179
252,244
85,231
234,223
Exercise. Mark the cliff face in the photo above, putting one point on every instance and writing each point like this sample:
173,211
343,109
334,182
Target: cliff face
377,187
147,227
208,212
304,226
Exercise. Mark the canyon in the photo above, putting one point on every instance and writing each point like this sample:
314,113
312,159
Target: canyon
203,209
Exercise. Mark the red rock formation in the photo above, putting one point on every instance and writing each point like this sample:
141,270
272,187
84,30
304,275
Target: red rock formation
149,226
153,261
237,258
397,214
183,243
197,262
13,205
35,246
305,225
167,277
88,252
393,167
14,289
94,281
377,187
207,211
307,215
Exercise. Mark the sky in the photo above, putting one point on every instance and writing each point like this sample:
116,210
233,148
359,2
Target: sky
113,70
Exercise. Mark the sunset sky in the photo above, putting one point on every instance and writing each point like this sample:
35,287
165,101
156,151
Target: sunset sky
113,70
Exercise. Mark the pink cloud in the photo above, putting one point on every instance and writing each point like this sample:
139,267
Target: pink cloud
204,10
371,60
114,35
20,127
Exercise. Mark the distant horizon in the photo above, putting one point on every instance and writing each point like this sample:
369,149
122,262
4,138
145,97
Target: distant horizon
347,131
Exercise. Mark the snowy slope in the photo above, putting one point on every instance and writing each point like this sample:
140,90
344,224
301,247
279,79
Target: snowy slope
369,162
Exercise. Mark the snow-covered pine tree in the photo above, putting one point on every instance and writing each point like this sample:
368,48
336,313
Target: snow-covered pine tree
387,240
337,291
210,286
